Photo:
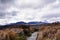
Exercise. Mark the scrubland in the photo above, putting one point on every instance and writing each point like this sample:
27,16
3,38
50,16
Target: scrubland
16,33
49,32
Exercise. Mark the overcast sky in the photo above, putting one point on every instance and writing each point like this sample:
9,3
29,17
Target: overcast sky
12,11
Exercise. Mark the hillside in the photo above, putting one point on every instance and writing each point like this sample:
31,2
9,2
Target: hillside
49,32
16,32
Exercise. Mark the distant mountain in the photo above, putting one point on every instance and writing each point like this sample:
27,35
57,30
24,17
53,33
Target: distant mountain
29,23
20,23
37,23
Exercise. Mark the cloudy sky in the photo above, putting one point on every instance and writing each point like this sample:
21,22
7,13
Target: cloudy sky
12,11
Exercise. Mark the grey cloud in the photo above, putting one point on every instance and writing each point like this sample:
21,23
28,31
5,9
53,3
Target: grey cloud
49,1
29,18
51,16
56,6
6,1
3,15
35,6
5,4
13,13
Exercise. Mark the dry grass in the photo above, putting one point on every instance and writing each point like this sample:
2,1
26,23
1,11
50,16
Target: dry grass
51,32
8,34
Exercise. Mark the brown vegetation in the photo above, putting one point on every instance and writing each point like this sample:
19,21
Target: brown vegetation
16,32
50,32
9,34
